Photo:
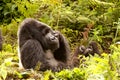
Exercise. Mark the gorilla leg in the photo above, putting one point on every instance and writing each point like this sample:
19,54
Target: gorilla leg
31,54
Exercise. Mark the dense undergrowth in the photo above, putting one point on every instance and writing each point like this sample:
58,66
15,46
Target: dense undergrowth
105,67
70,17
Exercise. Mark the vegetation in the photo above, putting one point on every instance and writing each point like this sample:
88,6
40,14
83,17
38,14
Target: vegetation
70,17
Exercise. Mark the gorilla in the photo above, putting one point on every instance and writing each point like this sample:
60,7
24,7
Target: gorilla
39,45
92,48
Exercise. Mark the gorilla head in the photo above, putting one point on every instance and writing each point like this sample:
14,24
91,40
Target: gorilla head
92,48
52,39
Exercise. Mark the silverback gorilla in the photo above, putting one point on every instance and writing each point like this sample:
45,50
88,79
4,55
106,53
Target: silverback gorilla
40,45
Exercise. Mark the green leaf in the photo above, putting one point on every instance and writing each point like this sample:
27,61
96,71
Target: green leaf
6,13
13,7
3,72
1,7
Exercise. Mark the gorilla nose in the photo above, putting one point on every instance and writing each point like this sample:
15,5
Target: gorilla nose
52,38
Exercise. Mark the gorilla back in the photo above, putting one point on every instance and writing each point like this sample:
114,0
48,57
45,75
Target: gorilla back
38,43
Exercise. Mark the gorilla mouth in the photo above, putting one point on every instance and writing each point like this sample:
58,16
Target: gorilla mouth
54,46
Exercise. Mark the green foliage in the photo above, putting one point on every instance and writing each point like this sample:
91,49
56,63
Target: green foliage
60,14
6,68
9,33
105,67
68,14
27,8
77,14
70,17
3,72
74,37
16,9
117,31
7,47
96,33
75,74
9,10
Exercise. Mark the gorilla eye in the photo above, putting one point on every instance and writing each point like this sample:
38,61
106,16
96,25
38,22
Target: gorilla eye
47,31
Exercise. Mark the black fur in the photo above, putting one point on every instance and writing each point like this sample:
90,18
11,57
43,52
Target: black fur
38,43
91,49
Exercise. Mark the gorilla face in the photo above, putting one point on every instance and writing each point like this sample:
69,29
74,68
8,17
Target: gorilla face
52,39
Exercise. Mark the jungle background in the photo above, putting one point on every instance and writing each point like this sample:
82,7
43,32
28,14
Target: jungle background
101,18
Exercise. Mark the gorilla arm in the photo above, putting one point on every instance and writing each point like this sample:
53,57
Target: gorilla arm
63,52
